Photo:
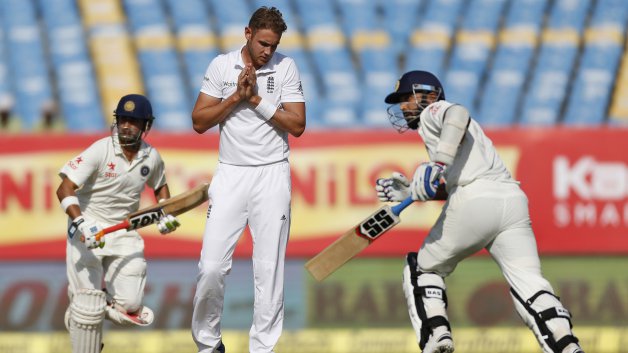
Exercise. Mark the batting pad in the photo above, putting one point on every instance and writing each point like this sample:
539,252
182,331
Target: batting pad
87,312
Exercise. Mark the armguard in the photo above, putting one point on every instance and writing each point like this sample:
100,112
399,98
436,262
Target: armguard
456,121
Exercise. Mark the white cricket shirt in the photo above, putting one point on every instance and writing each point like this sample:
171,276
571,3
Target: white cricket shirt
109,185
476,157
245,137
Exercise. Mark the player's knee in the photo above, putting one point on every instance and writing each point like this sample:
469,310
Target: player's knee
211,270
130,305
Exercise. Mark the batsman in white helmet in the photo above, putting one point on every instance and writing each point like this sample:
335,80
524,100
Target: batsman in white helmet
484,208
99,188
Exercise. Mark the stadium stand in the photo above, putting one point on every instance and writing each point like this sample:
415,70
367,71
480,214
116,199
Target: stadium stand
431,40
599,64
34,102
511,62
159,63
112,52
195,39
72,68
550,84
331,56
475,41
6,92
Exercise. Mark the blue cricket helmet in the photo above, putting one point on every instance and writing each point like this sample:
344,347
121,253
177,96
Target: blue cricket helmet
413,81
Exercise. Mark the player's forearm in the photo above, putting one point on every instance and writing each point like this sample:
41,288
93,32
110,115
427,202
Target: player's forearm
64,191
162,193
289,121
206,117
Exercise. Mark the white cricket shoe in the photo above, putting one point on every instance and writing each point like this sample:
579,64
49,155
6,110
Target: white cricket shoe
573,348
439,342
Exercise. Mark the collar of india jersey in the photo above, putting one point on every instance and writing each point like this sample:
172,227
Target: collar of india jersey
109,185
476,157
246,138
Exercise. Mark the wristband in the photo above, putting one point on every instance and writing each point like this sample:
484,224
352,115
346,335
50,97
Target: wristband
266,109
68,201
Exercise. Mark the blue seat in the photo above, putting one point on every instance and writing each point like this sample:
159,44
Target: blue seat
196,41
501,96
79,101
431,39
160,66
473,50
379,73
166,90
592,89
231,19
551,76
27,63
548,87
400,18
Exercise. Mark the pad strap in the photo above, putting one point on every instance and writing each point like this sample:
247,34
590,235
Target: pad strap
542,317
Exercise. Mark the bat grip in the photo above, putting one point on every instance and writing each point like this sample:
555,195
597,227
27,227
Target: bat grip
401,206
122,225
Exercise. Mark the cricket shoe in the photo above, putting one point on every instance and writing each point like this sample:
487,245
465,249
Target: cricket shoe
440,342
573,348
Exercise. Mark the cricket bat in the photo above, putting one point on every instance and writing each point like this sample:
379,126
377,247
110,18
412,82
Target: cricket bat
149,215
355,240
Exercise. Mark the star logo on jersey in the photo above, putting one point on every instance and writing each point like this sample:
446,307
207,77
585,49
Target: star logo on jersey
79,159
74,163
111,166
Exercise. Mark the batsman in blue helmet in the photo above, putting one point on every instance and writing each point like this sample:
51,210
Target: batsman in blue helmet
485,209
100,187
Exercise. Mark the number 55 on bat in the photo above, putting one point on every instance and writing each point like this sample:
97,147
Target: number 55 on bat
355,240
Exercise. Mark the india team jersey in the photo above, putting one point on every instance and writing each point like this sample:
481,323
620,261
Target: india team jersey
246,138
109,185
476,157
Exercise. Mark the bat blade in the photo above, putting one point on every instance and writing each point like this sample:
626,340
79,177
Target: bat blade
354,241
175,206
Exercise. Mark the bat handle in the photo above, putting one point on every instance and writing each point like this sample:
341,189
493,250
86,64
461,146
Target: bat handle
401,206
122,225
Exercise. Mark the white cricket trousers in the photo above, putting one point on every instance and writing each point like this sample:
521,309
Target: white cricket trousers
260,197
491,215
120,264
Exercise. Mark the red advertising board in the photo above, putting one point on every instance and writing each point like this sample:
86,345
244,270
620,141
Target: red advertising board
576,181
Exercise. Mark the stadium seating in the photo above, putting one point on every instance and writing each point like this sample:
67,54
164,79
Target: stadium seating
546,93
27,64
599,63
472,53
78,96
511,62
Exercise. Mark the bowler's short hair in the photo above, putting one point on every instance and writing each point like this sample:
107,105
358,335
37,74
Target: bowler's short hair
267,18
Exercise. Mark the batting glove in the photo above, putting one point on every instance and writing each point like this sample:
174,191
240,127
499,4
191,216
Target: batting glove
426,180
396,188
168,223
87,230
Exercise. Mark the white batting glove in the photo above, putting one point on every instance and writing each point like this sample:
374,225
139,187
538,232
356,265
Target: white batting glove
87,230
396,188
426,180
168,223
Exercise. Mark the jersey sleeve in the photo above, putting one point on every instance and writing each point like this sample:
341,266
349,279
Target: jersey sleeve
292,89
212,80
158,177
82,167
